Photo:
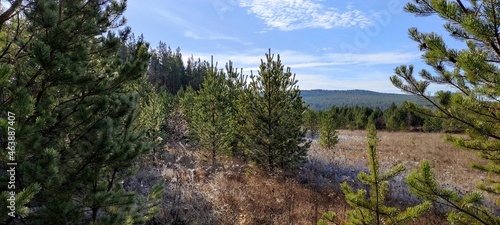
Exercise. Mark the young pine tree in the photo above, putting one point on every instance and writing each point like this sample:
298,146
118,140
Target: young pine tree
312,122
328,136
63,78
371,208
236,82
472,74
273,110
211,118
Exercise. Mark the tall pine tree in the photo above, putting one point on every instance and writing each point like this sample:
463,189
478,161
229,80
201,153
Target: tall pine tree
274,110
64,79
211,119
473,75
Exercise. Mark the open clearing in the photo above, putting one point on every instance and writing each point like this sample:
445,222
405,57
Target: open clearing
451,165
234,192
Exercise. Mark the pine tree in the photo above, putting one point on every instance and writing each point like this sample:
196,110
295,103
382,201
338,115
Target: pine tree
312,122
395,118
196,71
236,82
166,68
154,103
211,118
328,136
471,73
372,210
469,209
67,84
377,118
273,112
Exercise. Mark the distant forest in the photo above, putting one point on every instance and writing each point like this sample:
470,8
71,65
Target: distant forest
324,99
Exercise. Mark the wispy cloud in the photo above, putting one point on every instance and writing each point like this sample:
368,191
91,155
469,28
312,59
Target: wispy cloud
297,59
298,14
338,71
377,81
213,36
194,31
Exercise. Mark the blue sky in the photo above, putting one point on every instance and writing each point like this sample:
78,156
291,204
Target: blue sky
334,45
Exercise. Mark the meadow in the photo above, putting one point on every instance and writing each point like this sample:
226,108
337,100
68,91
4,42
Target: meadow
231,191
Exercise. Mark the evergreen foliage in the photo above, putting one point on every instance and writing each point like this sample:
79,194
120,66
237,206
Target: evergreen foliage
211,116
468,209
65,79
377,118
273,110
371,209
472,72
236,83
407,116
325,99
328,136
154,104
167,70
312,122
186,100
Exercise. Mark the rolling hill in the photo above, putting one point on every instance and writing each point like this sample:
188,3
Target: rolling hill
324,99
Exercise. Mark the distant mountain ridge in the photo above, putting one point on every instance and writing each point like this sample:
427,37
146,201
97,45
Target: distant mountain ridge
324,99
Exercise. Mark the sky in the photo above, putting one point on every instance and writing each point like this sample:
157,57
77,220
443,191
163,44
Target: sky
328,44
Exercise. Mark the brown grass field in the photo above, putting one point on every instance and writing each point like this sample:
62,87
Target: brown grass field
233,192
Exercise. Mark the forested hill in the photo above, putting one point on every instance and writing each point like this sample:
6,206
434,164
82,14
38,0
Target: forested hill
324,99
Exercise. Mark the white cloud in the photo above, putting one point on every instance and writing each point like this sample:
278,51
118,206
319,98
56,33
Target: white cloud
207,35
333,71
298,14
197,32
374,82
300,60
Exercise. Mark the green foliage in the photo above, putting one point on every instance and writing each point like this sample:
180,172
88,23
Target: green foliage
312,122
395,118
273,110
371,209
211,116
69,86
407,116
328,136
149,206
325,99
167,70
327,218
471,72
22,199
236,82
468,209
186,99
153,108
377,118
432,121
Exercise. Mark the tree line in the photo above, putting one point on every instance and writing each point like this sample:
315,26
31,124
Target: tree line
405,117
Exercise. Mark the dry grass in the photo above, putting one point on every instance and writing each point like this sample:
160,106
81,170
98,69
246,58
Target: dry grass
233,192
451,165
